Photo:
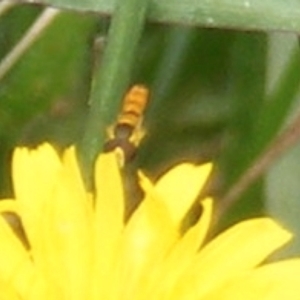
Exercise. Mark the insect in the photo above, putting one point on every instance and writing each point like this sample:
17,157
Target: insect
127,132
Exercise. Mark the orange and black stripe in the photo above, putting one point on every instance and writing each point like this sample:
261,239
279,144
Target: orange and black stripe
125,133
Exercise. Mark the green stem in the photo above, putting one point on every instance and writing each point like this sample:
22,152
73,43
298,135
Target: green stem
112,77
247,15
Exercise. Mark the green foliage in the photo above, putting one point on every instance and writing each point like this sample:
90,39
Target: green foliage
216,94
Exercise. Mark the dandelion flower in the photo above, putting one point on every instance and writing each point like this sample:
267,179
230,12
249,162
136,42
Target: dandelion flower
80,247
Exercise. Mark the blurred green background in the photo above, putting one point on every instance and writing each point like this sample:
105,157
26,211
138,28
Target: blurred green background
216,94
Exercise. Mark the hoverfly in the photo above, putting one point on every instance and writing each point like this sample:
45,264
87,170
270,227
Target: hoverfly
127,132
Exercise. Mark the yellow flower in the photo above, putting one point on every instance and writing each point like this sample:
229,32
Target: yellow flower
81,248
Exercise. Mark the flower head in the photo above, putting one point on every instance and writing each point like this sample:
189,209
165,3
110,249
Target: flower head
81,247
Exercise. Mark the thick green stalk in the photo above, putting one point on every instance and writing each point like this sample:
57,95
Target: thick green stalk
112,77
265,15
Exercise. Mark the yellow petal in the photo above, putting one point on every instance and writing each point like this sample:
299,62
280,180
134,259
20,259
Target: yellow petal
276,281
240,248
180,186
12,252
8,292
109,223
9,205
67,235
11,213
34,176
70,164
164,276
148,237
14,259
194,237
